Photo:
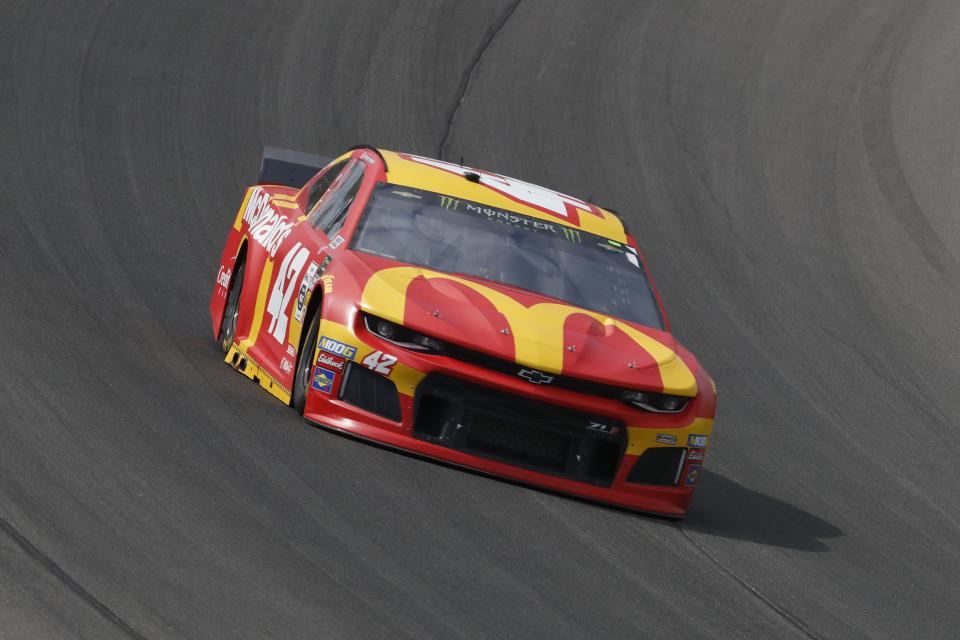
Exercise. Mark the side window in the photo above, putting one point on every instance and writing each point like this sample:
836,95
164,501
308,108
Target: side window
320,186
330,214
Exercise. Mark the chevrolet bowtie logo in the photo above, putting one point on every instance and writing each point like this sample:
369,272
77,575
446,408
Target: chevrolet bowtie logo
534,376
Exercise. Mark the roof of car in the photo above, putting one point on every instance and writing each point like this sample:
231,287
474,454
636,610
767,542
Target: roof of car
499,191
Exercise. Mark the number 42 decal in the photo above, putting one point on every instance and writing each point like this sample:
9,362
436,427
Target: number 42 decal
283,290
380,362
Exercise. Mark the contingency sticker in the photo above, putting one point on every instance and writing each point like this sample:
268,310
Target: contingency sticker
338,348
332,361
309,279
323,379
694,440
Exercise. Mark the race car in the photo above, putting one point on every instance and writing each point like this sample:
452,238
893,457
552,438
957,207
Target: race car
464,316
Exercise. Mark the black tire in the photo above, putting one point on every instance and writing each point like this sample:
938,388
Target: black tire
301,382
228,326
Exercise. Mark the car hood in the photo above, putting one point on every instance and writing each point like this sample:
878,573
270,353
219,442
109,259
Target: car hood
533,331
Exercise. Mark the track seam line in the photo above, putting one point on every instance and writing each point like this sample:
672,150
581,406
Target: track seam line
783,613
468,73
31,550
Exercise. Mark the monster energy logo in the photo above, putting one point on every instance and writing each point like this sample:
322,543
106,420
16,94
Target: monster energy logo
449,203
573,235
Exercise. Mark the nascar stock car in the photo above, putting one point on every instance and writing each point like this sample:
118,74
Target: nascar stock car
464,316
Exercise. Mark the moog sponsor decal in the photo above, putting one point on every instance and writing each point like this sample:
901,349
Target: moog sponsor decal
695,440
337,347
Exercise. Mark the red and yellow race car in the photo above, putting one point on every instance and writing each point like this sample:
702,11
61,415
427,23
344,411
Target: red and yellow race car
464,316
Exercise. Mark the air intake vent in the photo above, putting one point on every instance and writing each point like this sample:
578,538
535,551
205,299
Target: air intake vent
659,466
519,442
499,426
371,391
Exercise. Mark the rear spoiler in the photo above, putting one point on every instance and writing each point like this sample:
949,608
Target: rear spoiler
289,168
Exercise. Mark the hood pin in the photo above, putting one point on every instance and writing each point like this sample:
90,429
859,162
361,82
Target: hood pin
505,332
572,347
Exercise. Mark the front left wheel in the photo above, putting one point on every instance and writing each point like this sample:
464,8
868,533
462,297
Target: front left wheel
301,382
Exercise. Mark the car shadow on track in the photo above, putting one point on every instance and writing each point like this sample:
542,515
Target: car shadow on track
721,507
727,509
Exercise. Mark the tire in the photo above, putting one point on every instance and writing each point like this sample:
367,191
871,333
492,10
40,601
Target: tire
228,326
301,382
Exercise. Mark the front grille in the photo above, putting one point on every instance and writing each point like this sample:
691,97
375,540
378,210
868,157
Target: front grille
525,433
507,438
371,391
579,385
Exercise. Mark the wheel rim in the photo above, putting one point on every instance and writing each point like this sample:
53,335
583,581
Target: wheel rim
301,382
305,370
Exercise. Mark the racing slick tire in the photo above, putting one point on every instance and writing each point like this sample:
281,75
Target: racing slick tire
301,382
228,326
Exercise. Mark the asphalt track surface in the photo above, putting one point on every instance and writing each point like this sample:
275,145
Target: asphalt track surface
789,167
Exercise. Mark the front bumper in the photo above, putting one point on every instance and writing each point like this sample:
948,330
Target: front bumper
592,447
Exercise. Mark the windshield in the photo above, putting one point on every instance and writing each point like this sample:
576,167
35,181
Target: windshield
459,236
